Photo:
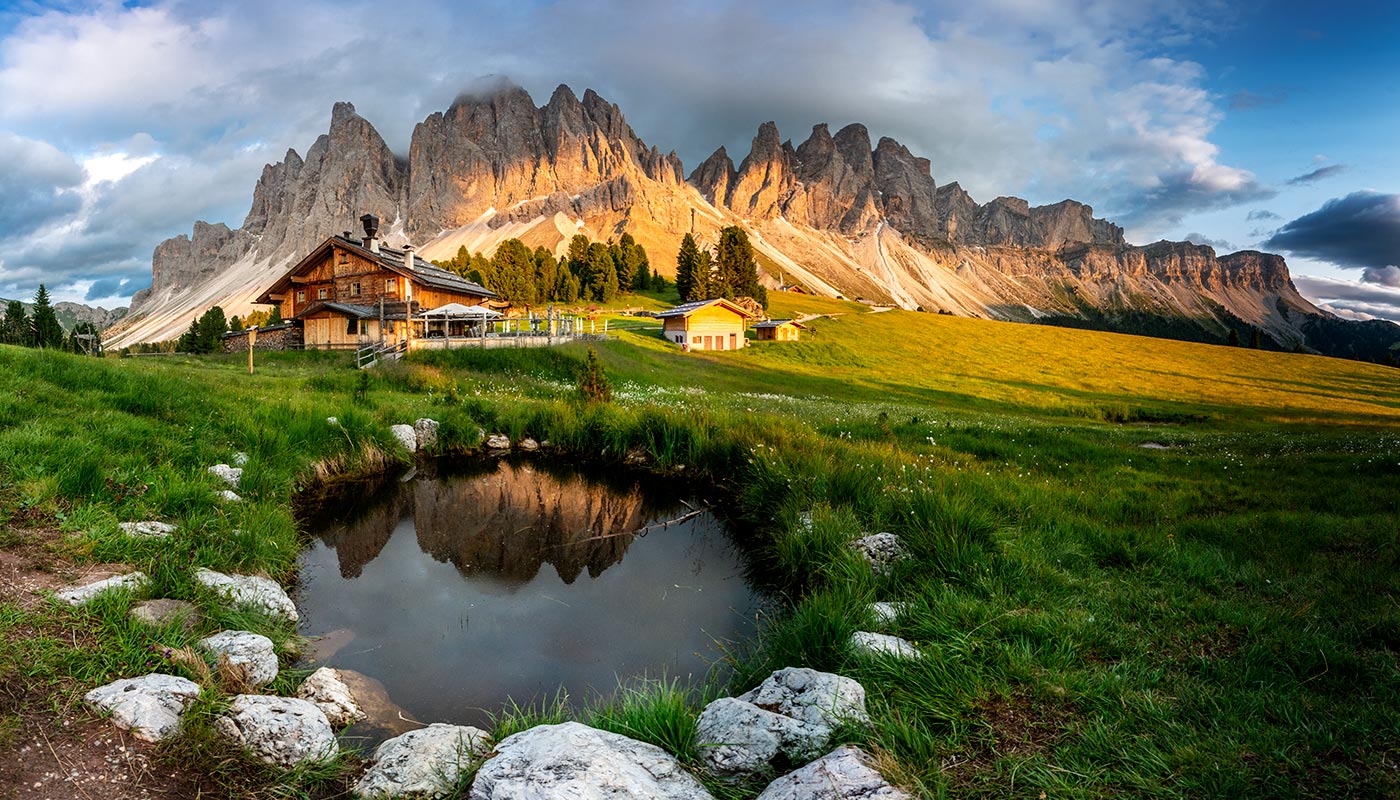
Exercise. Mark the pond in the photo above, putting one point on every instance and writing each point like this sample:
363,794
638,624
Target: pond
449,596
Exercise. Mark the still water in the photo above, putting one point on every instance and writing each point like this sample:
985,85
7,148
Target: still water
453,593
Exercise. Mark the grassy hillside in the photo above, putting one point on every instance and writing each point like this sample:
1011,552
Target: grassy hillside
1219,618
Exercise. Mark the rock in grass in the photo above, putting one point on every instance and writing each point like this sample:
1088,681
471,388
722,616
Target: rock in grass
846,773
329,692
887,613
279,730
250,591
149,528
879,644
791,714
165,611
82,595
498,441
881,550
425,432
150,706
422,763
230,475
529,445
230,497
406,437
253,653
574,760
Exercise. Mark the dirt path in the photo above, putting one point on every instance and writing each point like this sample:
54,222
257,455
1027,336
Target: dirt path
68,754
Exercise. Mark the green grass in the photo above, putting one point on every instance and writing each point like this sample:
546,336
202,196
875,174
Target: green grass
1216,619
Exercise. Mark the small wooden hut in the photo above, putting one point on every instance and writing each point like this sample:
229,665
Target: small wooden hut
779,330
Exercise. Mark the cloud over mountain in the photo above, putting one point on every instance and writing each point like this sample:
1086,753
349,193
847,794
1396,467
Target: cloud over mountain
1006,97
1359,231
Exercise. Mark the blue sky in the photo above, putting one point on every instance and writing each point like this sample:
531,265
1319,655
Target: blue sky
1265,125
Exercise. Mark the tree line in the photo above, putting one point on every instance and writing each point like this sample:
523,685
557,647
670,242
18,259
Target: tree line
589,271
41,328
730,272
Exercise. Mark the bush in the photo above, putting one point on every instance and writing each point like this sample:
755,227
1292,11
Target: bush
593,382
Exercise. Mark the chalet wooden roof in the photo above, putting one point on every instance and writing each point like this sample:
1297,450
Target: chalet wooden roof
778,323
686,309
422,272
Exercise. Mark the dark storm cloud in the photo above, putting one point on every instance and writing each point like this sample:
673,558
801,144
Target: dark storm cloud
118,286
1318,174
1357,231
1261,214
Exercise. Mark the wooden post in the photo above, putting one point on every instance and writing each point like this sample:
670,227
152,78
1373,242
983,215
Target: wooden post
252,340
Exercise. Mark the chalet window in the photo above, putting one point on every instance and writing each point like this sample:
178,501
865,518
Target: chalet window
352,326
301,297
391,285
322,293
355,289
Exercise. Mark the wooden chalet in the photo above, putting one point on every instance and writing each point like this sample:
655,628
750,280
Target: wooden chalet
778,330
705,325
349,292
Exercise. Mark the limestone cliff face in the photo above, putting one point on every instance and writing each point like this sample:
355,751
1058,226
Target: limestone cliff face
835,214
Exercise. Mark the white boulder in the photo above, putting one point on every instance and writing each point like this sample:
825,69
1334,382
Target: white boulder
230,475
82,595
279,730
150,706
250,591
498,441
406,437
149,528
425,432
887,613
328,691
576,761
792,714
250,652
229,497
881,550
422,763
529,445
846,773
881,645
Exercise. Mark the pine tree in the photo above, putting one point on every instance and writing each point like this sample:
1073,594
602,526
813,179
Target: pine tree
736,267
43,323
210,330
235,324
599,276
15,328
546,275
276,316
690,282
643,280
593,382
189,340
513,272
1233,339
1255,340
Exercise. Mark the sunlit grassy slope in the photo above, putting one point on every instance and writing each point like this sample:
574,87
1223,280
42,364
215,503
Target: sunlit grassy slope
908,356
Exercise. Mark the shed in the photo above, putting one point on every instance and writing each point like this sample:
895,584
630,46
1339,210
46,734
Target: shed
779,330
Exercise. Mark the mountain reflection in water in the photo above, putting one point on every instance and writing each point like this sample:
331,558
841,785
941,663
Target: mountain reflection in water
439,587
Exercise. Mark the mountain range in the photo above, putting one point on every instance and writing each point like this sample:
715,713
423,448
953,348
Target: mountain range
70,314
835,215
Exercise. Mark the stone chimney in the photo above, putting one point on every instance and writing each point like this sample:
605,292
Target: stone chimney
408,256
371,223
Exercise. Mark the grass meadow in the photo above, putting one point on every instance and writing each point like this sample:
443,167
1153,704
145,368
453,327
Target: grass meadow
1215,616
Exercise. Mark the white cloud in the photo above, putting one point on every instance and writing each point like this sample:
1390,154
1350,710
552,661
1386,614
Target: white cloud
1050,99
